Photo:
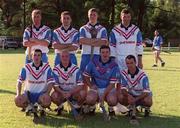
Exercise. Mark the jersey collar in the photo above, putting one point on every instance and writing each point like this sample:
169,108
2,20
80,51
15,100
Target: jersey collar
37,68
93,25
65,68
136,72
62,28
126,28
105,62
37,28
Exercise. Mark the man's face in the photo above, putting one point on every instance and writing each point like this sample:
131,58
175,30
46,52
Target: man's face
131,64
37,57
64,56
105,54
93,16
156,33
66,20
126,18
36,18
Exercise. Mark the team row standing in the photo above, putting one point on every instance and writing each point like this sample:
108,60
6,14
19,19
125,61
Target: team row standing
125,39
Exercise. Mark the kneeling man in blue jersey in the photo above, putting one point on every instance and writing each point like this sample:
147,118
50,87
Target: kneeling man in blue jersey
100,76
68,86
38,79
134,89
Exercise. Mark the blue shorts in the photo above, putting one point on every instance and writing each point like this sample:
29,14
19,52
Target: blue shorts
33,97
57,59
44,59
85,59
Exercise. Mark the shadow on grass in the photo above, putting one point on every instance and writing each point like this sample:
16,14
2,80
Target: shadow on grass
7,92
155,121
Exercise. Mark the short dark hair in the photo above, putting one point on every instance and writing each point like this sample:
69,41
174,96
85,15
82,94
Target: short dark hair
38,50
126,11
131,57
104,47
65,13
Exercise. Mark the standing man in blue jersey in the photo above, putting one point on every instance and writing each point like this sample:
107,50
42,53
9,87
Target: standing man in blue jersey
100,76
92,36
37,36
157,42
134,89
65,38
125,39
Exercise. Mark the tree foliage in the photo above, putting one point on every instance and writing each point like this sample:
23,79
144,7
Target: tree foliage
147,14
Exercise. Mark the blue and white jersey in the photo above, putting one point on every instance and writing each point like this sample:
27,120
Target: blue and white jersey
43,32
102,74
69,36
36,79
125,41
67,78
136,84
157,42
85,33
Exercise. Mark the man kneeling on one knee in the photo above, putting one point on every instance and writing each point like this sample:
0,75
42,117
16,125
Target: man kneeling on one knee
100,76
133,89
68,86
38,79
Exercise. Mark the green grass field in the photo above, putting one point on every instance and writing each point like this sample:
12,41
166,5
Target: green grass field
164,84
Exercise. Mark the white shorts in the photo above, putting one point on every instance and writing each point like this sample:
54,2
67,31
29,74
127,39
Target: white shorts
101,91
157,48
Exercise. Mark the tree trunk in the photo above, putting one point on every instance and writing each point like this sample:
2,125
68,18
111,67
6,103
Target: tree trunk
141,14
112,14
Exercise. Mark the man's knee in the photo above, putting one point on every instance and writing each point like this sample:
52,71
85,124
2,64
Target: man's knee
148,101
92,97
122,99
82,95
21,101
111,99
45,100
56,98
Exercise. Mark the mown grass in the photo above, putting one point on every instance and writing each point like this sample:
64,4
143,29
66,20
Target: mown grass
164,84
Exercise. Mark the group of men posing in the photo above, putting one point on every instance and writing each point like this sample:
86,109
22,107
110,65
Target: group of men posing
110,70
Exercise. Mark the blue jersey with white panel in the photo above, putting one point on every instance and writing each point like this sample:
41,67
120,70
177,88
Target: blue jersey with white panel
102,74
